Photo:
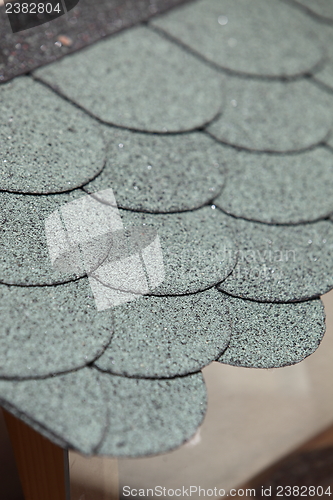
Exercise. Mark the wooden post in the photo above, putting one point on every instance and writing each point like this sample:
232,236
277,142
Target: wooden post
42,466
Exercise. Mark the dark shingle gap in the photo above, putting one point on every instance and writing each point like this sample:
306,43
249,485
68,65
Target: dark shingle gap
234,147
185,294
284,224
89,364
321,84
208,203
256,301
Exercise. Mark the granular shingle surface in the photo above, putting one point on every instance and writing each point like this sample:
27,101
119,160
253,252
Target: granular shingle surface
281,263
324,77
197,247
109,415
47,330
252,38
156,173
167,336
140,81
151,416
279,189
196,125
273,116
273,335
47,144
67,409
26,258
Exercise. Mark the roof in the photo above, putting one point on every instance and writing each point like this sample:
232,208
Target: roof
204,136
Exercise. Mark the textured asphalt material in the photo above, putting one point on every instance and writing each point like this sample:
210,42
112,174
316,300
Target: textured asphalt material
194,126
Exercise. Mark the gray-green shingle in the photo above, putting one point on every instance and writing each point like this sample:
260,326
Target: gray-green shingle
139,80
281,263
157,173
198,250
257,38
97,413
273,116
151,416
167,336
279,189
48,330
25,259
70,409
273,335
47,144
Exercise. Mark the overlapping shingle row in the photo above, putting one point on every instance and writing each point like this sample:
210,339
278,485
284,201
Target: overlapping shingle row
211,128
